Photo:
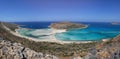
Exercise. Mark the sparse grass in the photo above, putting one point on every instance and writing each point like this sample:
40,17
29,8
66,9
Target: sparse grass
48,47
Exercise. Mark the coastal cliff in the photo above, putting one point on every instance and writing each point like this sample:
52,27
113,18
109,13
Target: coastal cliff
66,25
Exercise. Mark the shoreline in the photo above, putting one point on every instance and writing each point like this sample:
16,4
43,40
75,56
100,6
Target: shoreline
52,37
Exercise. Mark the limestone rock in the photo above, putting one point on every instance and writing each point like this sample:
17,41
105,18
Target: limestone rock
10,50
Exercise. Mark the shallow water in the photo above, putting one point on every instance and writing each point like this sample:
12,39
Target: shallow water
95,31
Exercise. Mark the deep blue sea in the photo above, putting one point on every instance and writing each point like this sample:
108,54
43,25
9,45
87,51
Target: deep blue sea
95,31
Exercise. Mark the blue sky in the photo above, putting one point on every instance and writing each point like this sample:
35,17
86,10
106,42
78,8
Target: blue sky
60,10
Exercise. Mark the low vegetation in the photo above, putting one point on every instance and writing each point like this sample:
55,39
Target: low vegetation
47,47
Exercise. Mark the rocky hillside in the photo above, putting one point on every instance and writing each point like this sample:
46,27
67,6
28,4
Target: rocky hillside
60,50
105,50
10,50
10,25
66,25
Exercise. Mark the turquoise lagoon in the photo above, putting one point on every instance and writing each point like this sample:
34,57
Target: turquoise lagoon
94,32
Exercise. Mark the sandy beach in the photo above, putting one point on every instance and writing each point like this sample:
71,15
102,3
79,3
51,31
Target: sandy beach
51,39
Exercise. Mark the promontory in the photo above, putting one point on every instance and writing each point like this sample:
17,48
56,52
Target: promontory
67,25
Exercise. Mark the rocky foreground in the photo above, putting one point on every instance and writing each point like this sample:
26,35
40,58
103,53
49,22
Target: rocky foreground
10,50
105,50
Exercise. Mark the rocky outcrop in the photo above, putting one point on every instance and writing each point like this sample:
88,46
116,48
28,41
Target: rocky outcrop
105,50
66,25
10,50
116,38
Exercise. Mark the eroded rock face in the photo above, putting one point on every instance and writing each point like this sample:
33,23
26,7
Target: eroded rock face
66,25
10,50
106,50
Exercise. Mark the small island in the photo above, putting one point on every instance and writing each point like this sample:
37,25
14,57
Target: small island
67,25
115,23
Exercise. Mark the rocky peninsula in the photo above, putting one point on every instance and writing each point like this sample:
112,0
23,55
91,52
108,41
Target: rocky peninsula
67,25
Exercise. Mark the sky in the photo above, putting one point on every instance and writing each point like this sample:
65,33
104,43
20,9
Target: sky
60,10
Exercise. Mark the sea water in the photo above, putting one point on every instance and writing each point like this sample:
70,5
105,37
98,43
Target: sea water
94,32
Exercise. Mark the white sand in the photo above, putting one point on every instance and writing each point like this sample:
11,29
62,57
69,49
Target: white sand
49,39
58,31
105,40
